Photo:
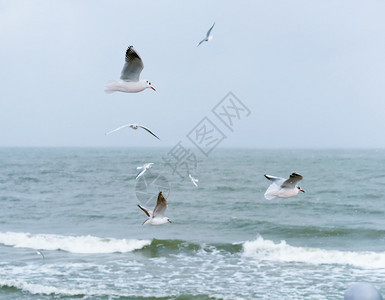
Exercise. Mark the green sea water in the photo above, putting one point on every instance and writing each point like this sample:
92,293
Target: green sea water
78,206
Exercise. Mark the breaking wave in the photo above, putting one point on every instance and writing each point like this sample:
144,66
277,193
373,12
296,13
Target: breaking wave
268,250
73,244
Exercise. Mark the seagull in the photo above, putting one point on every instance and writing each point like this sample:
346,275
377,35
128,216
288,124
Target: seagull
135,127
283,188
208,36
156,217
193,180
130,82
143,169
40,253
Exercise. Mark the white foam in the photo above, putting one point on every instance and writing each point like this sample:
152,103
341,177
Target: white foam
39,288
74,244
268,250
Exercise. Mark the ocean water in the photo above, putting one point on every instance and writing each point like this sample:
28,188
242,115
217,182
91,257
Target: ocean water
78,206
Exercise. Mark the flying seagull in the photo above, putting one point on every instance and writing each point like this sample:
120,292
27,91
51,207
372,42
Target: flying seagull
143,169
208,36
193,180
156,217
135,127
130,82
40,253
283,188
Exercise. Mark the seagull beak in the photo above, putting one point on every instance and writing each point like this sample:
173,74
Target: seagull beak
302,191
153,89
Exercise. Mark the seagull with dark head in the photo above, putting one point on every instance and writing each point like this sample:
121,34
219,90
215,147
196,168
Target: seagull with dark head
156,217
130,82
283,188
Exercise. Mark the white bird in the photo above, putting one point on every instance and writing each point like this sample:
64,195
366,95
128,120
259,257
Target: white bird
193,180
156,217
130,82
135,127
40,253
143,169
283,188
208,36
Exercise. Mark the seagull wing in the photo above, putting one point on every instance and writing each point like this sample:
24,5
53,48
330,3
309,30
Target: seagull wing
140,173
116,129
208,32
292,181
276,180
149,131
133,66
202,41
161,206
145,211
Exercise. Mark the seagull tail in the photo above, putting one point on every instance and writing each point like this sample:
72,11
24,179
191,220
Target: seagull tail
111,87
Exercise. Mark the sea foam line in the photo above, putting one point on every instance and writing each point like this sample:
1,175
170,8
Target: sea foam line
74,244
268,250
40,289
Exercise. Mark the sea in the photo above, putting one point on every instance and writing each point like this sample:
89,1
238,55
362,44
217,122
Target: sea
70,227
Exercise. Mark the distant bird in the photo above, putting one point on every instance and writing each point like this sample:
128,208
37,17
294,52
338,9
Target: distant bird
283,188
40,253
208,36
156,217
193,180
143,169
135,127
130,82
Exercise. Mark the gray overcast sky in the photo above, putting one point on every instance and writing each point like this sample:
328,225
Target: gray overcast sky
311,72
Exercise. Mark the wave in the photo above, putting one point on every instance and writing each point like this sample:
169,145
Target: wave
73,244
260,249
94,292
33,288
268,250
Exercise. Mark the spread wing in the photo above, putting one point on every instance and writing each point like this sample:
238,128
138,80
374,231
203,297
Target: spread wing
145,210
161,206
202,41
133,66
292,181
276,180
116,129
141,172
274,188
208,32
149,131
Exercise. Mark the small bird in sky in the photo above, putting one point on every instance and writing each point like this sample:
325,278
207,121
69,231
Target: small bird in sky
156,217
208,36
135,127
130,82
193,180
283,188
143,169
